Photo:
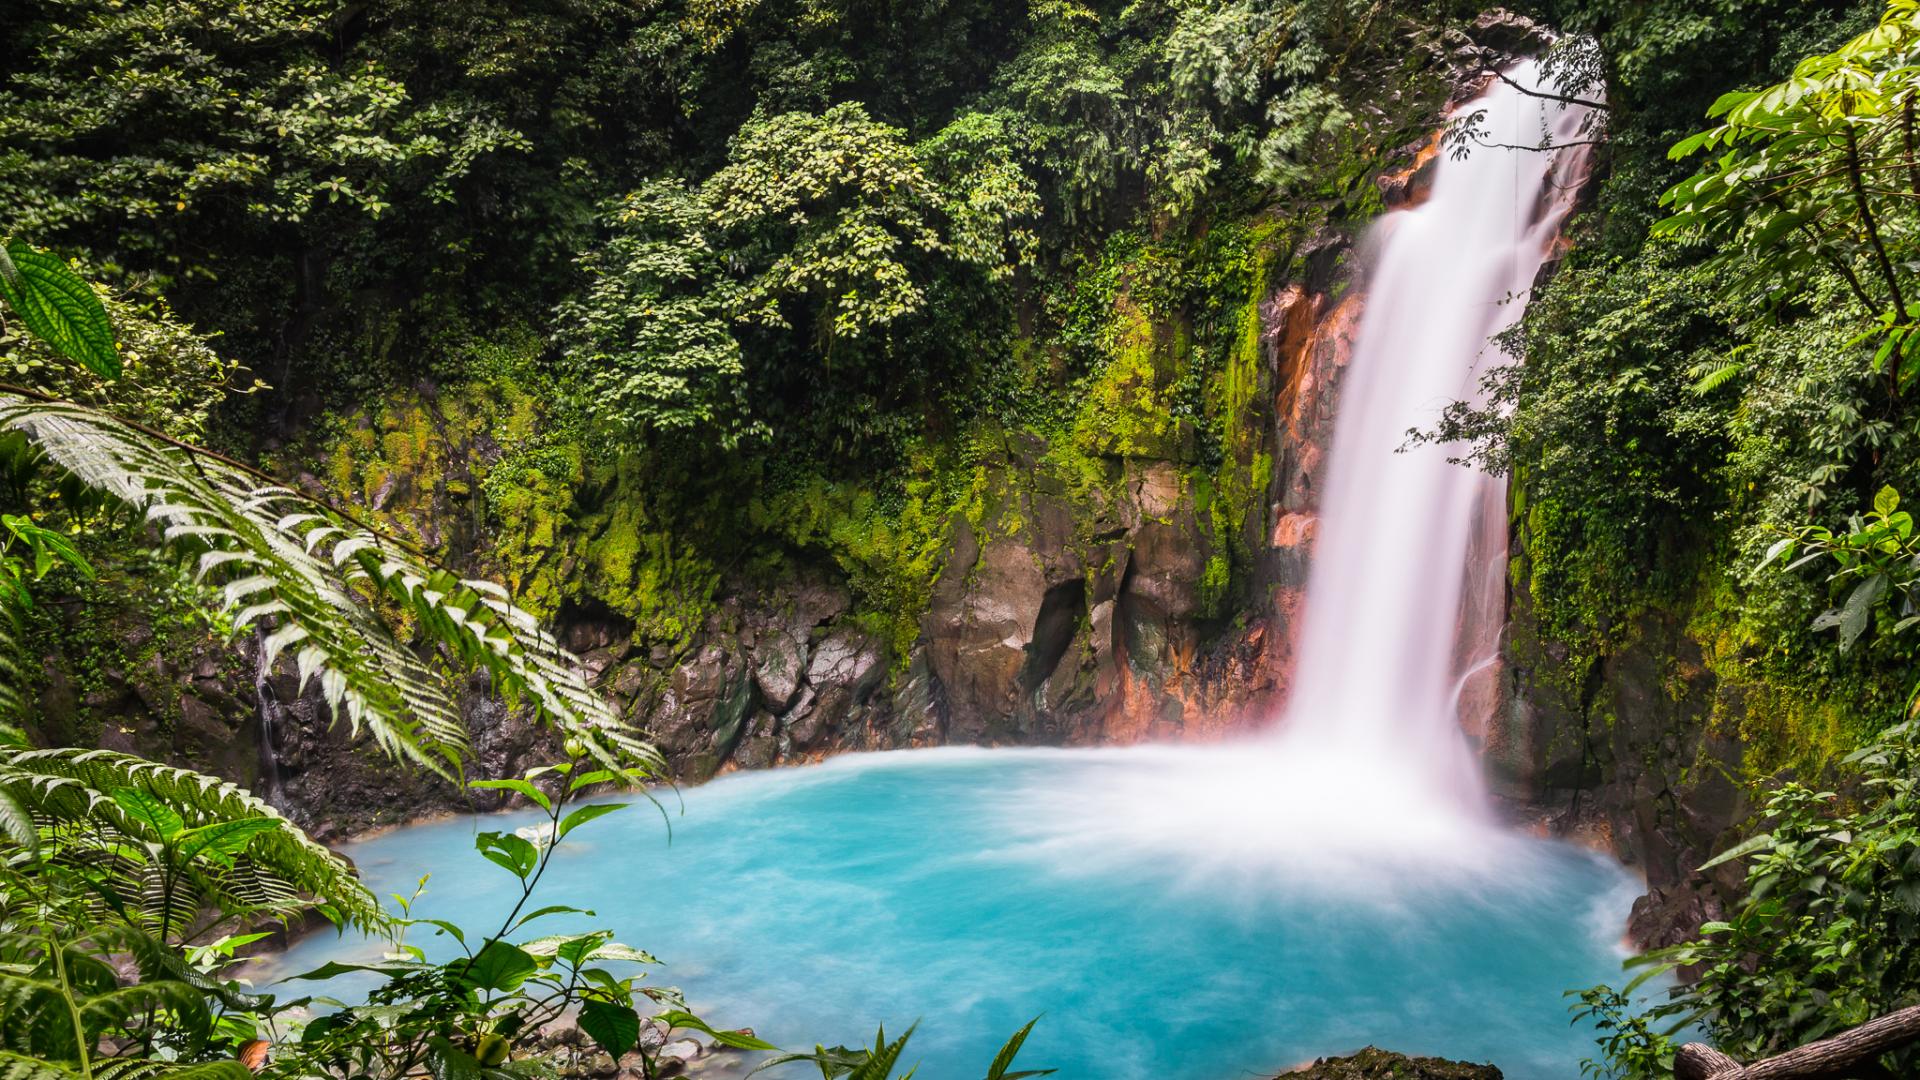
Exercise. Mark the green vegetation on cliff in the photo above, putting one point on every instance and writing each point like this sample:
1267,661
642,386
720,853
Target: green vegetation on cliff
625,305
618,301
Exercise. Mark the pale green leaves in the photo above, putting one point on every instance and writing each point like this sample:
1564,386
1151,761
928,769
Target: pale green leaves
1739,851
831,226
652,336
58,307
850,207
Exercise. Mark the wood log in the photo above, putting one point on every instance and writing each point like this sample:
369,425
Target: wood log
1829,1057
1698,1061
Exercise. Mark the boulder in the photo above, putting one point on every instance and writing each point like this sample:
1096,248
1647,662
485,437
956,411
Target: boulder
1373,1063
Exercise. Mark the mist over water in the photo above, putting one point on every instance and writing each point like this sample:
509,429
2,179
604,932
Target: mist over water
816,904
1206,912
1367,776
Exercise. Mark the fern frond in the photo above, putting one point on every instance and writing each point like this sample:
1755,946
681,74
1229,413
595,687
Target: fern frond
34,1018
73,789
13,680
311,579
149,1069
182,1005
22,1067
1710,377
16,825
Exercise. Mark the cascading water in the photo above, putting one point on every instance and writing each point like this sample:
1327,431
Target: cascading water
1201,911
1380,656
1368,768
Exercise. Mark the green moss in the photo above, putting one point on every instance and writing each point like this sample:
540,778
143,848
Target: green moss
892,547
1128,410
1216,583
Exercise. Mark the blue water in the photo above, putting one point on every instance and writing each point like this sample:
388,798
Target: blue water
946,887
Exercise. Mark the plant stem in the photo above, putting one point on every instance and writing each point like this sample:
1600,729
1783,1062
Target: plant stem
73,1008
1879,250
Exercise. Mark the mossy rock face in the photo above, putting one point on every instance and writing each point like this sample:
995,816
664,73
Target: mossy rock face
1373,1063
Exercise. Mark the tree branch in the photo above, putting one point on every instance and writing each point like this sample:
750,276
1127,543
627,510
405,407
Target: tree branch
1879,251
1565,99
1828,1057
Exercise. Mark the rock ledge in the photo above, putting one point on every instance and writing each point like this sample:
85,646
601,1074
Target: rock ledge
1374,1063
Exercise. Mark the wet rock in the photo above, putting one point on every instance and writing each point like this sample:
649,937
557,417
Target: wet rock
1373,1063
847,668
779,666
592,1064
760,747
1630,756
1510,34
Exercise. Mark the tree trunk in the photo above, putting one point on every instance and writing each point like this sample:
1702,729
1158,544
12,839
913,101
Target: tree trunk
1849,1053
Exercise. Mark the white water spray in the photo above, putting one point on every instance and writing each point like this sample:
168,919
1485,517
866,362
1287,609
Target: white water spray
1379,656
1369,769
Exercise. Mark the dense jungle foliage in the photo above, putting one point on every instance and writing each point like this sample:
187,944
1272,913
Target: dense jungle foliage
762,281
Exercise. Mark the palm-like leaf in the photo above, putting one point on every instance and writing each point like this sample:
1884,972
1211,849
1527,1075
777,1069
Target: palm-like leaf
278,866
313,581
149,1069
12,677
63,1008
16,825
22,1067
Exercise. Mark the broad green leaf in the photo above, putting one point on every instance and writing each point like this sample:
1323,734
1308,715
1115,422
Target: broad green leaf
585,814
446,1061
574,951
334,968
614,950
1858,610
592,776
614,1025
535,795
497,966
739,1040
1782,549
58,308
516,853
450,929
550,909
1740,850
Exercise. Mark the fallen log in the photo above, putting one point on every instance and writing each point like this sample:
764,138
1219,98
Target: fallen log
1829,1057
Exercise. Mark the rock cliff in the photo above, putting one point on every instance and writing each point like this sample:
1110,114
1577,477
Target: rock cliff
1106,579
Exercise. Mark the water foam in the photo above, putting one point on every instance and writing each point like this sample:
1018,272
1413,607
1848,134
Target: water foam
1367,775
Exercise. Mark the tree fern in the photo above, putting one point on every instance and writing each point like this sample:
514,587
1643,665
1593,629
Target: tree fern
89,800
64,1011
1713,373
314,581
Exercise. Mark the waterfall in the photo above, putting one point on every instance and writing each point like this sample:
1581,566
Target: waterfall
1366,785
1391,629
